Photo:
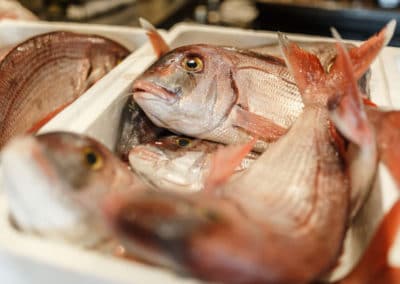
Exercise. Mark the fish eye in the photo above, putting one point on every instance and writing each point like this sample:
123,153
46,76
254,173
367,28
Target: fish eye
92,158
192,64
183,142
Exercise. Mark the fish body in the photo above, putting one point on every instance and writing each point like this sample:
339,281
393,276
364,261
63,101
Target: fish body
44,74
226,95
178,163
281,221
53,183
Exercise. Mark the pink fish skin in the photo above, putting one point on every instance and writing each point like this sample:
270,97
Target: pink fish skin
228,95
282,221
48,71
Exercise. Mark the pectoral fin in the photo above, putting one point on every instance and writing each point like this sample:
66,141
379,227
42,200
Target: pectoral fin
159,45
258,126
224,162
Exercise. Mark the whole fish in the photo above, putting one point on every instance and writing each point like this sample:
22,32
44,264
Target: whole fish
282,221
134,128
178,163
44,74
53,183
226,95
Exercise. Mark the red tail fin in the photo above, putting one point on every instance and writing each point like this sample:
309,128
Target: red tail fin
374,267
304,66
160,47
225,161
362,56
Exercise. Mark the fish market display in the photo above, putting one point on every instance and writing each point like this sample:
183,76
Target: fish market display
226,95
178,163
54,181
41,76
282,221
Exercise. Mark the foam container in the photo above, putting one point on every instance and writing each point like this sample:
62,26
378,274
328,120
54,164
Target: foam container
30,259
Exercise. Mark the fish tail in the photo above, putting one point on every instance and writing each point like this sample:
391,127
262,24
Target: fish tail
346,106
362,56
159,45
224,162
374,267
304,66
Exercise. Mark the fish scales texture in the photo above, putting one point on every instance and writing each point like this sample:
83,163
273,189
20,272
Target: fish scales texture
53,70
203,104
282,221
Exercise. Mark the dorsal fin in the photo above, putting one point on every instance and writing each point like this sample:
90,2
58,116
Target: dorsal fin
159,45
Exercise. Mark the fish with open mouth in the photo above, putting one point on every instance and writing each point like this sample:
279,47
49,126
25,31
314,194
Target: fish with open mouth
53,183
227,95
281,221
178,163
44,74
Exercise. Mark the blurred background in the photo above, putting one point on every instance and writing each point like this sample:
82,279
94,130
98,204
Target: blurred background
354,19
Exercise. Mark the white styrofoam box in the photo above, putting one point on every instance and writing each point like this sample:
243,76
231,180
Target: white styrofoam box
97,114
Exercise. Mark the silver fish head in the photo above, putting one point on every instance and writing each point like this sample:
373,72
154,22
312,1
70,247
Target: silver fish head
55,181
190,83
174,163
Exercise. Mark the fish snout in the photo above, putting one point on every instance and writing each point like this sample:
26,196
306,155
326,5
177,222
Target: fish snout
146,153
144,89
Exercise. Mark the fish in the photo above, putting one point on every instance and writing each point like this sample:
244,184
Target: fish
134,128
281,221
229,95
178,163
10,9
54,183
46,73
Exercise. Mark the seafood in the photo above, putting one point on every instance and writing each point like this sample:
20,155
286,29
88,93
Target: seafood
11,9
178,163
54,182
134,129
227,95
271,224
41,76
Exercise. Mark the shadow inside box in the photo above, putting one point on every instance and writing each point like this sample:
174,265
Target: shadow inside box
352,23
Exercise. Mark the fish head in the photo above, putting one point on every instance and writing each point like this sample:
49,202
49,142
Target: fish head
189,90
174,163
54,182
208,239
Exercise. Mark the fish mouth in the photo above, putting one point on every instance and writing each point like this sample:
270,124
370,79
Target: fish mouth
144,89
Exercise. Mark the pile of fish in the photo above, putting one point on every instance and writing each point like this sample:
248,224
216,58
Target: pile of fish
302,144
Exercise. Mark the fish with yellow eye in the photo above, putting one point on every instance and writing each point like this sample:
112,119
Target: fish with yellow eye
178,163
54,182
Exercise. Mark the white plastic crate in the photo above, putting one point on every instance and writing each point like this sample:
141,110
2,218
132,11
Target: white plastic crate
97,114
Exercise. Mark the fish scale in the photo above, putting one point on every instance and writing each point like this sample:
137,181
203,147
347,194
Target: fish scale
52,72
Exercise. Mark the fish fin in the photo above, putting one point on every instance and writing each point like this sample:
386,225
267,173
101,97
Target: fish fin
368,102
257,125
362,56
346,108
374,266
159,45
304,66
224,162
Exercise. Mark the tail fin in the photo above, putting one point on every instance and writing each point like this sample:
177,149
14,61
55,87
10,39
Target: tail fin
348,114
374,266
224,162
160,47
362,56
304,66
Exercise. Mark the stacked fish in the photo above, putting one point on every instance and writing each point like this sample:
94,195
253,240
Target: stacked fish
303,143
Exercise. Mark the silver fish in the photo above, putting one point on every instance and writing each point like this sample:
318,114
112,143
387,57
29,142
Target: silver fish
178,163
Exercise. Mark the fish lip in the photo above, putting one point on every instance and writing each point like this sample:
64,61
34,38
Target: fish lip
145,87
